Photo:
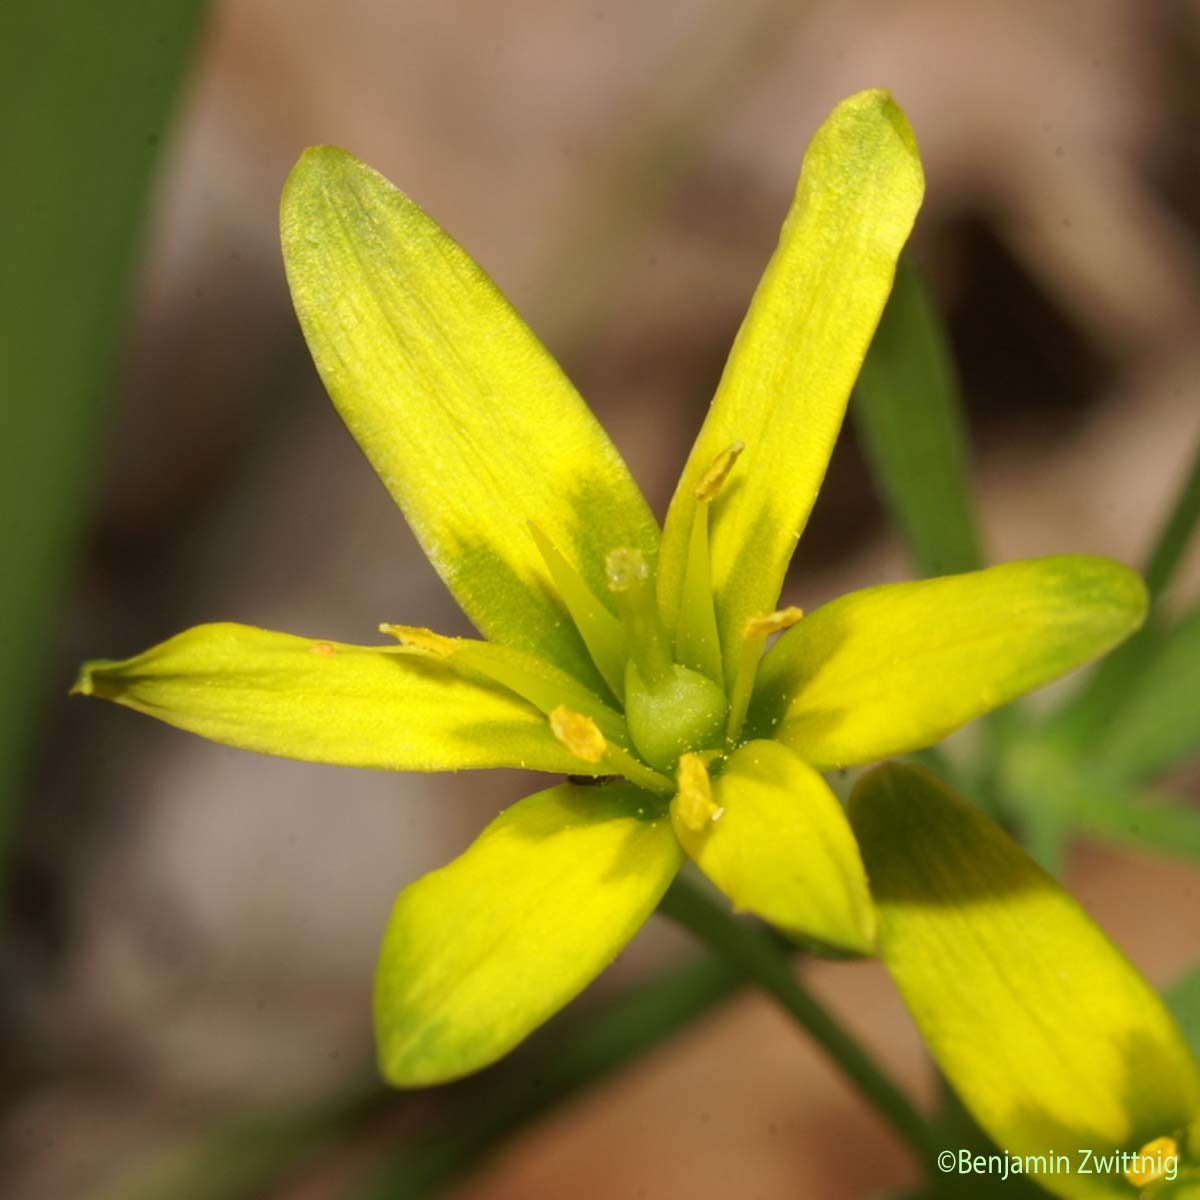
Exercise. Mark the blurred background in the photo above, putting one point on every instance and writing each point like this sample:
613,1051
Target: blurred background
190,931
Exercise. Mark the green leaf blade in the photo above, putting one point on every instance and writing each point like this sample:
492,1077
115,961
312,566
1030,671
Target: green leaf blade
909,416
1183,999
1157,722
87,93
1177,531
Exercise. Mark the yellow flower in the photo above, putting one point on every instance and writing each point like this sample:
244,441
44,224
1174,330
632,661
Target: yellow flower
614,649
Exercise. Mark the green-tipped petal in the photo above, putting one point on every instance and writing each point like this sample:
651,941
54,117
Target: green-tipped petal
1050,1037
890,669
467,419
357,706
795,359
481,952
777,843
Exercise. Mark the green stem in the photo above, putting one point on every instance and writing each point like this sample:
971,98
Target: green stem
753,951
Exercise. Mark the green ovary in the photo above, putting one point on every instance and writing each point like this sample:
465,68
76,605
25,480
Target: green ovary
683,711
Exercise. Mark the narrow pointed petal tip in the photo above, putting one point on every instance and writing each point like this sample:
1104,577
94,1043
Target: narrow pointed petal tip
84,684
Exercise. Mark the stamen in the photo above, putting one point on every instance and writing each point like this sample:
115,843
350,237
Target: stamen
324,649
1153,1161
754,636
579,734
636,771
712,479
546,687
784,618
632,585
693,805
697,640
416,637
600,630
589,728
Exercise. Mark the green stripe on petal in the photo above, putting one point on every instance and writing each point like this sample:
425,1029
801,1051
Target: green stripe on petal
467,419
1050,1037
777,843
790,372
891,669
480,953
356,706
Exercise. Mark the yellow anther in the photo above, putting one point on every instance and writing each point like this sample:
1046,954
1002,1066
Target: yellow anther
784,618
416,637
1153,1161
693,805
581,735
631,583
324,649
712,479
626,569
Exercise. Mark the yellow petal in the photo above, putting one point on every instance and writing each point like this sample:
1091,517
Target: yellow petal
776,841
481,952
890,669
466,418
1050,1037
790,372
357,706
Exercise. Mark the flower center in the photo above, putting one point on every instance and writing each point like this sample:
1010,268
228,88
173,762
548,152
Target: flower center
670,709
